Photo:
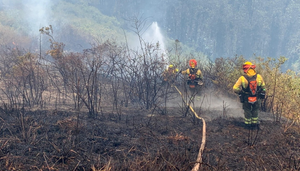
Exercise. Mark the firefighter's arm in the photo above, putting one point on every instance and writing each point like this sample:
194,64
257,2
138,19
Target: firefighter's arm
199,74
262,84
185,72
237,88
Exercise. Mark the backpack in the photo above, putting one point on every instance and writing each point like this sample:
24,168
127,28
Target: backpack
252,89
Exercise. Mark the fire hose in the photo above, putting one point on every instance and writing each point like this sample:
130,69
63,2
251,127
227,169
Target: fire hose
199,157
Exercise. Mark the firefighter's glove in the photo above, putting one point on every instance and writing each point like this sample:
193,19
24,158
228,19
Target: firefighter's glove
200,82
241,98
262,95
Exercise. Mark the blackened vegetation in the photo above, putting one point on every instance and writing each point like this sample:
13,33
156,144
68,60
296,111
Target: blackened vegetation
63,141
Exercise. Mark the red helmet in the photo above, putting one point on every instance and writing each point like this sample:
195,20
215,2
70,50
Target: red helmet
193,62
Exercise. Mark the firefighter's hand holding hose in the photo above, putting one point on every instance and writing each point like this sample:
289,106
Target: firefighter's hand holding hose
262,95
241,98
200,81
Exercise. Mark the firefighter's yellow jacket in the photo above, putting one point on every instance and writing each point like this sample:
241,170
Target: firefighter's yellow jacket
243,83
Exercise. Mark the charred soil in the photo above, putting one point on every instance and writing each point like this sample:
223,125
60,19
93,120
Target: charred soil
141,140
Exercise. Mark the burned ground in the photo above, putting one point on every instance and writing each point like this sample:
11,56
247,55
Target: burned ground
141,140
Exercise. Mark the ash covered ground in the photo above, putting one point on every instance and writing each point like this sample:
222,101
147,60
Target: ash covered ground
137,139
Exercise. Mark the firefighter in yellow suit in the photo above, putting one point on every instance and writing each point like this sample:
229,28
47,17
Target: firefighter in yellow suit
250,87
195,76
169,75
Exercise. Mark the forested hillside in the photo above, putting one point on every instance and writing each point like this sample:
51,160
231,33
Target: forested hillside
216,28
223,28
76,24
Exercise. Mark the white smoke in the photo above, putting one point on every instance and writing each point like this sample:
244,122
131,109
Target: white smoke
38,14
34,13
